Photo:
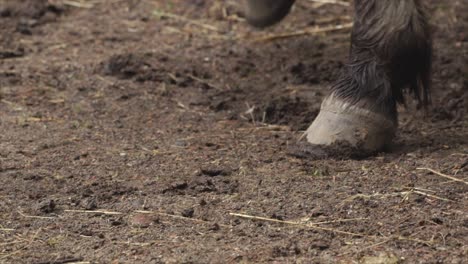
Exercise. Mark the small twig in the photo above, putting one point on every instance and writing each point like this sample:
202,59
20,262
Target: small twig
303,135
432,196
250,111
337,221
143,212
94,212
35,216
77,4
203,82
427,243
380,195
444,175
405,195
259,218
64,261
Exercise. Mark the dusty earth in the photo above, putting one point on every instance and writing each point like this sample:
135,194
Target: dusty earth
137,131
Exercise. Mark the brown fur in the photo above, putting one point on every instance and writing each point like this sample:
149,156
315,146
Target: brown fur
391,51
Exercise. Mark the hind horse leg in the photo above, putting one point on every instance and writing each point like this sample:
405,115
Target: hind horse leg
390,55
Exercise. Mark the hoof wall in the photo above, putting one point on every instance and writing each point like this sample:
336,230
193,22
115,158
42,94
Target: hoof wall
341,122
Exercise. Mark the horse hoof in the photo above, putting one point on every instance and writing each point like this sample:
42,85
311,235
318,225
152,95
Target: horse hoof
263,13
342,122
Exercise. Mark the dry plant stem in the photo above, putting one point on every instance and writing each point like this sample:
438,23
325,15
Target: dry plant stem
405,194
337,221
444,175
94,212
180,217
258,218
204,82
104,212
432,196
78,4
297,224
35,216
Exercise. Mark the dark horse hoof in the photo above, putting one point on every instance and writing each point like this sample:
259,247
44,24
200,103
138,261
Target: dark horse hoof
342,122
263,13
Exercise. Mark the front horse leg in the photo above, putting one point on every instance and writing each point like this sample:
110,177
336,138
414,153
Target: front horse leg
390,55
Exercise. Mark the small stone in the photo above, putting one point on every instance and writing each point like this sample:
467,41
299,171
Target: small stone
188,212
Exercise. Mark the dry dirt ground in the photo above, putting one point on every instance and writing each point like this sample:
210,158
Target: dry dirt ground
165,131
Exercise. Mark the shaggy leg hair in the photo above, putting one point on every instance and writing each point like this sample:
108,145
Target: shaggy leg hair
391,53
390,56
